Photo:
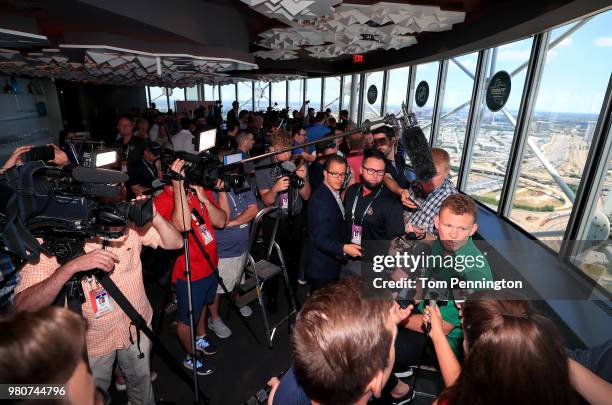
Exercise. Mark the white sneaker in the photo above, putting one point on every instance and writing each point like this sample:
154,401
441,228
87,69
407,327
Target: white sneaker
246,311
220,328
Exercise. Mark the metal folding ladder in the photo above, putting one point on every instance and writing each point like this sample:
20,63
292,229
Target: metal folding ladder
262,271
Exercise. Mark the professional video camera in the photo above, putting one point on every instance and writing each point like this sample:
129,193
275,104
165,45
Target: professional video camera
205,169
64,208
288,169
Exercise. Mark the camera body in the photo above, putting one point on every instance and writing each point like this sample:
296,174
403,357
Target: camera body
295,181
204,171
51,204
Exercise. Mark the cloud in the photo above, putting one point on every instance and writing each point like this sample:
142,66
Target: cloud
603,41
513,55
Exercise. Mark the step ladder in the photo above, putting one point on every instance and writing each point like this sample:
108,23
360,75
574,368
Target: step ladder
259,272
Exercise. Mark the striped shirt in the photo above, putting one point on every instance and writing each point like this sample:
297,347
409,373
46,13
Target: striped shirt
110,331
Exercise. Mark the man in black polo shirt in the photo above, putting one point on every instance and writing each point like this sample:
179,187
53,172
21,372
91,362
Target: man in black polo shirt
144,172
386,142
130,147
372,212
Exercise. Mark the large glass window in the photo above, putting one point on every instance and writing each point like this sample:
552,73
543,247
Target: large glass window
353,107
262,96
494,131
373,95
176,94
575,76
397,88
346,92
279,94
228,96
455,108
426,82
313,93
331,97
158,96
210,93
192,93
245,95
594,256
296,94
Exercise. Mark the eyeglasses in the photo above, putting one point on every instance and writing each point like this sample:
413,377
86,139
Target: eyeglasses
336,175
373,172
381,141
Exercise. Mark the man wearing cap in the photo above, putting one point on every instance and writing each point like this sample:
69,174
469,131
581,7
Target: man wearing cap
144,172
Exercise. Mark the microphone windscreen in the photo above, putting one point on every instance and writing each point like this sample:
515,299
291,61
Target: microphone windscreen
419,152
98,176
289,166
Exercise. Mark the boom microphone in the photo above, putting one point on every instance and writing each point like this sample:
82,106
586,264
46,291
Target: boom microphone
418,150
98,176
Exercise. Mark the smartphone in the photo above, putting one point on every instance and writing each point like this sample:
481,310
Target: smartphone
44,153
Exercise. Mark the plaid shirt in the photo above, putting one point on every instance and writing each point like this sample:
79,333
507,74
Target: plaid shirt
429,206
110,331
6,268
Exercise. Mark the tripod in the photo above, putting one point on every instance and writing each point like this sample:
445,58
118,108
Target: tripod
73,294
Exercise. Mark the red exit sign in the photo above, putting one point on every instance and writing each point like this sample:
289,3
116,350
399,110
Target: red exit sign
358,59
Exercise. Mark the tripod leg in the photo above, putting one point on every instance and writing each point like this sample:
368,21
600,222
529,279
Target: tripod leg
264,313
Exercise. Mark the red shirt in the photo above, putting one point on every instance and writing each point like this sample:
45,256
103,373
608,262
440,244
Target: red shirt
355,160
200,267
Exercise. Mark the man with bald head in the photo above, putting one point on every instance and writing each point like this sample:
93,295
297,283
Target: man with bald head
423,199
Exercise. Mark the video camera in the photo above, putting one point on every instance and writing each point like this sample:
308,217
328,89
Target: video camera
288,168
64,208
205,169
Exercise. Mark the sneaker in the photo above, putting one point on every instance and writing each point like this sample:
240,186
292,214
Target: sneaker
120,387
202,368
246,311
205,345
302,279
405,374
219,327
171,307
405,399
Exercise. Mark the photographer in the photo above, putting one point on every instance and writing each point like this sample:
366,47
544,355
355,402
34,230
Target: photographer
111,334
197,210
275,190
232,245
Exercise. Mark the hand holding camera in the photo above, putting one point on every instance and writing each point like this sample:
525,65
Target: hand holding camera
282,184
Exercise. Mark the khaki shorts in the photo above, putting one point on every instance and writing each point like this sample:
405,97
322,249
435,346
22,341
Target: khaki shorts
230,269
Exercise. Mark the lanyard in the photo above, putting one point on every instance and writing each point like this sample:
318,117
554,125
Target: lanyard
367,208
236,208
